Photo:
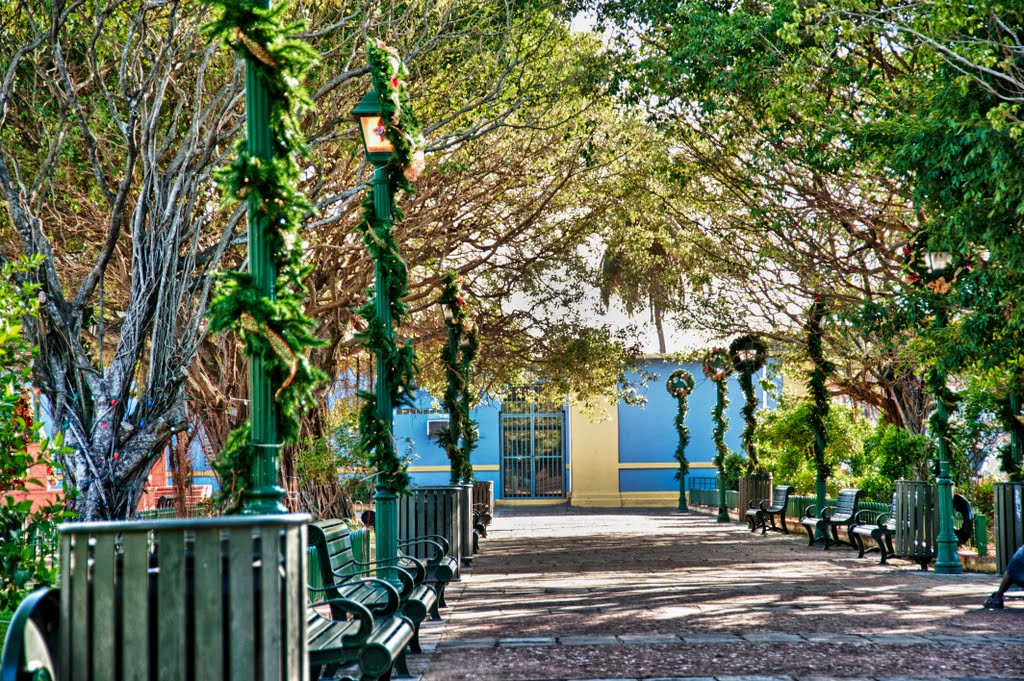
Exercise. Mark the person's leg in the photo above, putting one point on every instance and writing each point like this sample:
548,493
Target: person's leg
1014,576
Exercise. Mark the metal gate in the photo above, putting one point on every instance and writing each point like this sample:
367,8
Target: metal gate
533,447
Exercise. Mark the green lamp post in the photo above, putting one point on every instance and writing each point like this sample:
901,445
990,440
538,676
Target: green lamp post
947,560
265,494
379,151
717,367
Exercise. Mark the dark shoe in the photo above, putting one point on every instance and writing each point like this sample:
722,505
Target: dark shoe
994,602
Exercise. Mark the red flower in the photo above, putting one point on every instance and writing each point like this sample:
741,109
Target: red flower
394,82
913,278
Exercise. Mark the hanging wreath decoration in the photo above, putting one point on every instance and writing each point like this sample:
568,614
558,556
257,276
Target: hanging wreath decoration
717,364
275,329
388,74
680,385
457,356
749,354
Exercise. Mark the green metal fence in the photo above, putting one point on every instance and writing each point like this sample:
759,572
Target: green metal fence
797,503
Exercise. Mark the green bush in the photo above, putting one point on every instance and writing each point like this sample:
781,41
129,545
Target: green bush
25,535
894,453
734,467
785,440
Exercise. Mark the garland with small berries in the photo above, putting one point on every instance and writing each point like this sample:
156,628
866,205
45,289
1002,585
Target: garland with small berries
457,356
388,75
717,367
275,329
820,371
746,369
679,385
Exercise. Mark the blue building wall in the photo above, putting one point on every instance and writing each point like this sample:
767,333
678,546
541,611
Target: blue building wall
647,433
429,465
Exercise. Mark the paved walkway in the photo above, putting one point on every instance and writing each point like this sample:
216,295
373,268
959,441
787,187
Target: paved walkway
571,594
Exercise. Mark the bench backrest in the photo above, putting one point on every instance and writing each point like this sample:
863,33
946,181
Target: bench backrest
332,540
209,599
780,498
846,505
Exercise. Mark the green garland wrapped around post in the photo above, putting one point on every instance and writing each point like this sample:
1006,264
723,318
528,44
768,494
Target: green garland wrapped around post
819,373
388,74
717,367
679,385
748,355
457,356
273,328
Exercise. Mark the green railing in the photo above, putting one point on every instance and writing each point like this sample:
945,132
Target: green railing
797,503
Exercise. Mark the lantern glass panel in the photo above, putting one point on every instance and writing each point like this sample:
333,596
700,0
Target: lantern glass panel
374,137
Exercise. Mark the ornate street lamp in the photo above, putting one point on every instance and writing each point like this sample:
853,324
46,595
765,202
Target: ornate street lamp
379,151
947,559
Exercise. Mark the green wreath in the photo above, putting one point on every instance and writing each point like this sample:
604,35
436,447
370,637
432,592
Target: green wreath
748,342
680,384
717,364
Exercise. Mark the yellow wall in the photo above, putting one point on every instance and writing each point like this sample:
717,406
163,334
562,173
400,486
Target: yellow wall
595,456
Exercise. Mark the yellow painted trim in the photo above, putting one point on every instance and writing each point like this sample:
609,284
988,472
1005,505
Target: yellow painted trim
445,469
639,499
661,464
529,502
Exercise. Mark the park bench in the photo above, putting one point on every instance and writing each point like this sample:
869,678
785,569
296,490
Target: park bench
205,600
341,576
432,551
829,519
763,511
878,527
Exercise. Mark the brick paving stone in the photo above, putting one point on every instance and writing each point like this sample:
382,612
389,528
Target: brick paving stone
754,678
712,638
914,678
680,678
526,642
773,637
896,639
470,643
588,640
833,678
836,638
652,639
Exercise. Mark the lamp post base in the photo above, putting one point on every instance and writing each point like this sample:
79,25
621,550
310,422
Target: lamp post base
385,503
947,560
723,515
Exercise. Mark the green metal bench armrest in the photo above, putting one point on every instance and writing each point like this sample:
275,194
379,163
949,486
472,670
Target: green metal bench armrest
441,547
415,565
810,511
357,611
402,562
403,576
863,515
38,616
389,590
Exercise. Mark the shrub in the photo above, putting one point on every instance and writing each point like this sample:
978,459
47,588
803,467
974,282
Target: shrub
734,467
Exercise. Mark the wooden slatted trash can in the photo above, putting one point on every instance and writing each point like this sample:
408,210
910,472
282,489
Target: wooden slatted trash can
754,488
206,599
1009,530
466,521
432,510
916,521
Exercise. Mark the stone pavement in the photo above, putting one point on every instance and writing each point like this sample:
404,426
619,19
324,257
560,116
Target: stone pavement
562,594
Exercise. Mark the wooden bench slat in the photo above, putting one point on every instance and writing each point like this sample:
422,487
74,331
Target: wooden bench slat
240,614
135,615
78,665
171,595
209,629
